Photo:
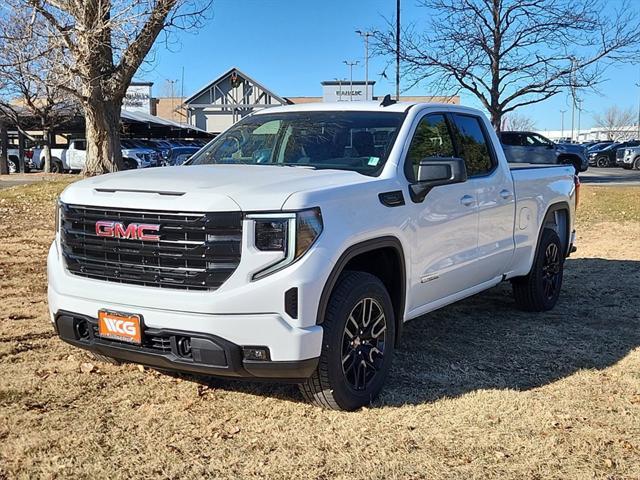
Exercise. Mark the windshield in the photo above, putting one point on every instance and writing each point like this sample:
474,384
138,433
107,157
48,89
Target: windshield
611,146
356,141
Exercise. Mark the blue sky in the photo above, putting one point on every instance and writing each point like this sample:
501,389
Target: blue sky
291,46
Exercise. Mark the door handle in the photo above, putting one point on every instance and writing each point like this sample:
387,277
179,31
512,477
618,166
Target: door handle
506,194
467,200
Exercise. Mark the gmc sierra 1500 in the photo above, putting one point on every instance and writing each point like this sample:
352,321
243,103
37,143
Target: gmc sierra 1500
295,245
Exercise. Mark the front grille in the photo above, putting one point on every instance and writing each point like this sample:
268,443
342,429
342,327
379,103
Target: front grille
196,251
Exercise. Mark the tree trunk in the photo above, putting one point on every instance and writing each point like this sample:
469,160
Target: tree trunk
4,147
104,153
496,120
46,148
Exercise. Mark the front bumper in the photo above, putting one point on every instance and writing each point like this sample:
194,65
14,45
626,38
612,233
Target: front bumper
207,354
252,314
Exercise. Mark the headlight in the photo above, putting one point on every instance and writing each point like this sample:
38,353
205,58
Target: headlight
271,234
290,233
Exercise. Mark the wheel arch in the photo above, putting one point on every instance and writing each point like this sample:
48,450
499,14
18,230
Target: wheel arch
557,217
390,263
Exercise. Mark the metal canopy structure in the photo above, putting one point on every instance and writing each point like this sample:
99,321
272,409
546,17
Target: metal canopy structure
227,99
132,124
140,124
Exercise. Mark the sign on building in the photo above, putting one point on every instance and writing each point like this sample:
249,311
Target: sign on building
346,91
138,97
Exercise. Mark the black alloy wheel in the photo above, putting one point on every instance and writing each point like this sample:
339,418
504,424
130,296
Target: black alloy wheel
357,346
540,289
363,343
551,269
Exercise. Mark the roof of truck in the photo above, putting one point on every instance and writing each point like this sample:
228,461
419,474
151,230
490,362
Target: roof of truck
374,106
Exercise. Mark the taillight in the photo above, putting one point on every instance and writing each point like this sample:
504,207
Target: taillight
576,182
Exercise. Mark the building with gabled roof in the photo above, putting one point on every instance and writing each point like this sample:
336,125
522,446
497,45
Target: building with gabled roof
234,95
227,99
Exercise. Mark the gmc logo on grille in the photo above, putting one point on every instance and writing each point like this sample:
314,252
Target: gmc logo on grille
133,231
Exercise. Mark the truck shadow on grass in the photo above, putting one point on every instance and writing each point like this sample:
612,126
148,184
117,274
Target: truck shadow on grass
484,342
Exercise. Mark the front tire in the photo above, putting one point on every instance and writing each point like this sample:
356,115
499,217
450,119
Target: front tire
539,291
357,346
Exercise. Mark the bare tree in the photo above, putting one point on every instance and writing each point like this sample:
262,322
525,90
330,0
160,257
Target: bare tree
30,73
512,53
104,42
617,123
517,122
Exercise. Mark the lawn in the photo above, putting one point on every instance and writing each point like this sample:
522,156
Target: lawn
478,389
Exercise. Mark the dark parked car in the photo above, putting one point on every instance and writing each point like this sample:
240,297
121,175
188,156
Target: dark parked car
599,145
531,147
179,155
606,156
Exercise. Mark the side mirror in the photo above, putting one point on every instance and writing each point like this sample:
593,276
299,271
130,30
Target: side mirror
434,172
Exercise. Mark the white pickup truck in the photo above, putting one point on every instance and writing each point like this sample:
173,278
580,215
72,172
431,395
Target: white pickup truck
74,156
295,245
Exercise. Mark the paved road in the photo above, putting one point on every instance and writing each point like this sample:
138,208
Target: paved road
7,181
14,179
610,176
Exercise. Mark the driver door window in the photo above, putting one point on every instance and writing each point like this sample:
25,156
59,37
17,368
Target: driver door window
432,139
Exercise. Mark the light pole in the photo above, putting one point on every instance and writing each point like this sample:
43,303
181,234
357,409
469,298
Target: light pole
351,65
638,85
397,50
572,88
579,102
366,36
173,96
573,114
339,80
562,112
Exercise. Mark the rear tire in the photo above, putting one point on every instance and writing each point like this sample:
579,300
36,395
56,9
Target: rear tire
357,346
540,289
105,359
56,166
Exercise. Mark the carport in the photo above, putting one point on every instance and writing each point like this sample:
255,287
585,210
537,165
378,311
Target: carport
132,125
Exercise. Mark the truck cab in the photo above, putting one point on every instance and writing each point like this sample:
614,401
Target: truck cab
295,245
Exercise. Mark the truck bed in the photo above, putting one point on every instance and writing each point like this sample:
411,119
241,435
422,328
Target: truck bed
526,166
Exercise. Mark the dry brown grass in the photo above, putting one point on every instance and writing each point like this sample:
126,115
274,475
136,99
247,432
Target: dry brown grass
478,390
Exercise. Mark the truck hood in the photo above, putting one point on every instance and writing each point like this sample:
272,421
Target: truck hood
204,187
